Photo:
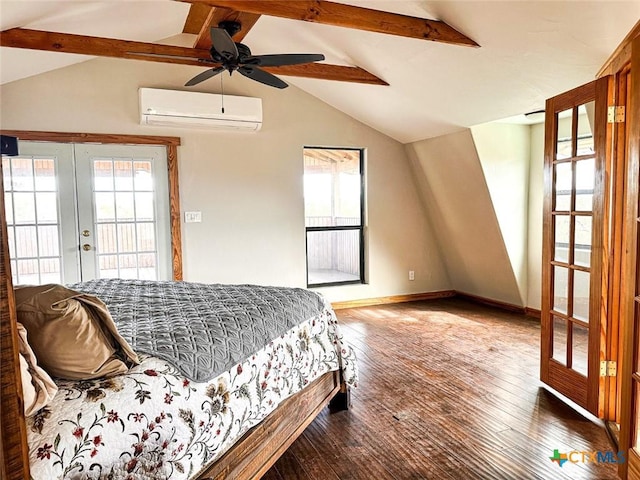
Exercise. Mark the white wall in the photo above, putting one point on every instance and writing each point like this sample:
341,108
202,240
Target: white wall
483,190
504,151
248,186
536,200
457,200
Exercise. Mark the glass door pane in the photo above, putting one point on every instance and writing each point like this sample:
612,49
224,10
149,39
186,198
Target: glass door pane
40,214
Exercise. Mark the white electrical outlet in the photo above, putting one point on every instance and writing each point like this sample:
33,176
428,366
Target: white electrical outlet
192,217
412,275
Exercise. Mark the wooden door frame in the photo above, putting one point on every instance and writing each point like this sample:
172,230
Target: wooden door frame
619,232
625,59
629,353
170,143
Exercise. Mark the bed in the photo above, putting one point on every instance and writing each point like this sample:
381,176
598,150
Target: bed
165,419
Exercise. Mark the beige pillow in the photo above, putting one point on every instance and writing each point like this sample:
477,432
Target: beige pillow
72,334
37,387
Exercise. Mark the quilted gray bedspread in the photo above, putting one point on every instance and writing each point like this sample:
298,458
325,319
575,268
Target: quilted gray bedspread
202,329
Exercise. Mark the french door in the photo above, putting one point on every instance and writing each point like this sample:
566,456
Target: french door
573,250
79,212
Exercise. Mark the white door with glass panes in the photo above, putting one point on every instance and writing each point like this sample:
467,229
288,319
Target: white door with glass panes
80,212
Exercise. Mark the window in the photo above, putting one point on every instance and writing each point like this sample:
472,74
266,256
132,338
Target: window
334,212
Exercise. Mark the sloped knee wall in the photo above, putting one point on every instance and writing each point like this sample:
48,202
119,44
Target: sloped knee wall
452,185
504,151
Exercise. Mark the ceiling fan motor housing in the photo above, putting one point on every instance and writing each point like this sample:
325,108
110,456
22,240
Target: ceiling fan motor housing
230,27
244,54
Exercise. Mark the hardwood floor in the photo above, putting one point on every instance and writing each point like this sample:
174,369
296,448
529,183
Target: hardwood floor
448,390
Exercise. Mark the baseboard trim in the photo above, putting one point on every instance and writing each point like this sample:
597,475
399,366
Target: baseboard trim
415,297
411,297
510,307
532,312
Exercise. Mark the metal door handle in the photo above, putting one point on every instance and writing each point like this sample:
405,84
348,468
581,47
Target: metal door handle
86,247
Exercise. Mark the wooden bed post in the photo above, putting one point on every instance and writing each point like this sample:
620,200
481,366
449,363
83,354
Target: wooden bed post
14,454
342,399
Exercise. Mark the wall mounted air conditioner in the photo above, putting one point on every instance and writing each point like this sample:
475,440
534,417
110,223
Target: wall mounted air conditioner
199,110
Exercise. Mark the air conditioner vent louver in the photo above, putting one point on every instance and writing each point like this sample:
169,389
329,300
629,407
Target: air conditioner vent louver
199,110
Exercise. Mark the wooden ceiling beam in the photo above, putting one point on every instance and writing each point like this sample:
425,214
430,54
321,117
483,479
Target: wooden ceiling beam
247,20
219,14
110,47
198,16
348,16
202,17
326,71
102,47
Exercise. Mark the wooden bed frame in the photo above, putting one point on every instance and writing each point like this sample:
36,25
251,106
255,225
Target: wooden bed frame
249,458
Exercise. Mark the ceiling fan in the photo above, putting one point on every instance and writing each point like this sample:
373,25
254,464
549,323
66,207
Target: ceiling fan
237,57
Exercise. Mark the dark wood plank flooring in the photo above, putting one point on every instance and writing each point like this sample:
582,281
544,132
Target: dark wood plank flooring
448,390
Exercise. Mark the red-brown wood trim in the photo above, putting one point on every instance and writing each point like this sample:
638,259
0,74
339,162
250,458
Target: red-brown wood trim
621,55
197,17
103,47
174,211
349,16
410,297
633,463
573,97
614,262
568,382
599,247
247,20
416,297
546,319
14,453
324,71
632,276
532,312
69,137
216,15
509,307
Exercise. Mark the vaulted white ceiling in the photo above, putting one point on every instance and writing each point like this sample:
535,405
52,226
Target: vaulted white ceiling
529,52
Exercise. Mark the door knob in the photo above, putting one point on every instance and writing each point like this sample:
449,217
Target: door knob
86,233
86,247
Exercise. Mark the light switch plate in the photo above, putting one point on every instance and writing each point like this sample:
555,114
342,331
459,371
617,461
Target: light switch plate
192,217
